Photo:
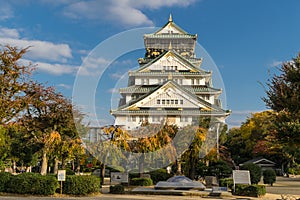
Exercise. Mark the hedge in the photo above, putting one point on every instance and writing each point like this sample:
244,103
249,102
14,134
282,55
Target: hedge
117,189
249,190
141,181
226,182
4,179
81,185
159,175
32,183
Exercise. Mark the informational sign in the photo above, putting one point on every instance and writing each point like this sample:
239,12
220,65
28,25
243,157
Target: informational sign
241,177
219,189
119,177
61,175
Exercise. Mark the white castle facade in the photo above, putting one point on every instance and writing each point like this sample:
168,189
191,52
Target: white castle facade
169,86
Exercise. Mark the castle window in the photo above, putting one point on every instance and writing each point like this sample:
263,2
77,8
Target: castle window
133,118
158,101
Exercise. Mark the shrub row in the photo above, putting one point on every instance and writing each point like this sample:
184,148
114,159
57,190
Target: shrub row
31,183
117,189
81,185
5,177
159,175
34,183
141,181
226,182
250,190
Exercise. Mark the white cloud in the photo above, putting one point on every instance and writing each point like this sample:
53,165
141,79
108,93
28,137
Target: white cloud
64,86
275,63
114,90
6,11
93,66
156,4
118,75
8,33
41,49
55,69
125,12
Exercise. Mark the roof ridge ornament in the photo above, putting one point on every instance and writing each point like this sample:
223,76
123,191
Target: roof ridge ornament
170,46
170,18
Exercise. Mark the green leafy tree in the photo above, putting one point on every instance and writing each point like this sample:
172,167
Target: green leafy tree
283,96
254,138
49,121
255,172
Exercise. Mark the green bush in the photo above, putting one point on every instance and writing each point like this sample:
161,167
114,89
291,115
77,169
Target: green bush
32,183
117,189
226,182
81,185
269,176
159,175
4,179
295,170
115,168
69,171
250,190
220,169
255,172
134,173
141,181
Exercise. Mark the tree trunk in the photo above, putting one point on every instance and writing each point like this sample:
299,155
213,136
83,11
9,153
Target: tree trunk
63,163
14,166
78,165
55,166
44,164
102,174
191,167
141,164
179,172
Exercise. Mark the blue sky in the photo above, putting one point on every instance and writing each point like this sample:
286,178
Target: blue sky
247,40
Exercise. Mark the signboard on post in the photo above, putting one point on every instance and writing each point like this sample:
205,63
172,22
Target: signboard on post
241,177
119,177
61,176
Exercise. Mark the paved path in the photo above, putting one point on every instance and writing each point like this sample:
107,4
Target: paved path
283,185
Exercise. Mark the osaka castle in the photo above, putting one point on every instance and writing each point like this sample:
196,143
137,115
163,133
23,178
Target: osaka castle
169,85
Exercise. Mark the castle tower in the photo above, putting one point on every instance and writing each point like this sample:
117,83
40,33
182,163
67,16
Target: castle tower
169,85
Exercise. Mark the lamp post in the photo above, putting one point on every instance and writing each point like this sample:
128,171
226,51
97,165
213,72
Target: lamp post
218,129
218,124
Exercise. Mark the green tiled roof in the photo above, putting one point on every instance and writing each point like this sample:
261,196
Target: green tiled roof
170,36
170,112
174,74
181,58
146,89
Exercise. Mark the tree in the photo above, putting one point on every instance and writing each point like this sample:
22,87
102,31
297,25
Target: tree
283,96
13,83
49,121
254,138
192,138
255,172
